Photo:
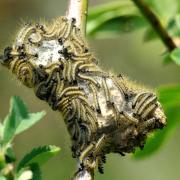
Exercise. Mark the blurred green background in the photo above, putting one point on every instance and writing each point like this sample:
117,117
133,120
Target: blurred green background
126,54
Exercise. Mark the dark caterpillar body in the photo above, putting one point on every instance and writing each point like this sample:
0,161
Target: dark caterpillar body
103,113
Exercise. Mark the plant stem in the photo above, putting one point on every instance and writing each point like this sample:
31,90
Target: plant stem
84,175
78,9
156,24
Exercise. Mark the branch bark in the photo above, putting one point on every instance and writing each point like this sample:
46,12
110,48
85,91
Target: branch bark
156,24
78,9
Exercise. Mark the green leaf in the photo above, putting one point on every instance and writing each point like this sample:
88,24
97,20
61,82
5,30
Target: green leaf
150,35
10,155
2,178
170,100
166,10
29,122
19,107
111,19
175,56
11,122
112,6
38,156
18,119
36,172
1,131
174,27
115,26
167,59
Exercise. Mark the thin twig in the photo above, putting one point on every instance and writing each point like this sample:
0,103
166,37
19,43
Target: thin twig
78,9
156,24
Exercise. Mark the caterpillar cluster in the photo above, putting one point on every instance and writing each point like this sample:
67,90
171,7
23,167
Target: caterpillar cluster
102,113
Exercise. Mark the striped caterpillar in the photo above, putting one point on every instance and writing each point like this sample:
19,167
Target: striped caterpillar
103,113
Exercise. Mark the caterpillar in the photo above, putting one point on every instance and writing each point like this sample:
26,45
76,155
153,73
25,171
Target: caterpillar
102,111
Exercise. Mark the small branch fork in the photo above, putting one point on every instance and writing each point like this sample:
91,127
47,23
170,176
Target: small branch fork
156,24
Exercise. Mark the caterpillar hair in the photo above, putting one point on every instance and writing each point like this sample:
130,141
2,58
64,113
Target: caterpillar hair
104,113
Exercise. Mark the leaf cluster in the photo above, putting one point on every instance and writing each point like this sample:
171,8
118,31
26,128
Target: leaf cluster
112,19
17,121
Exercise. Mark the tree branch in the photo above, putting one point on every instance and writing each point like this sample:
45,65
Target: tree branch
78,9
156,24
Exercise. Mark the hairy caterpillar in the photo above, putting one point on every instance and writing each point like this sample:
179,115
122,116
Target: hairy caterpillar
102,112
